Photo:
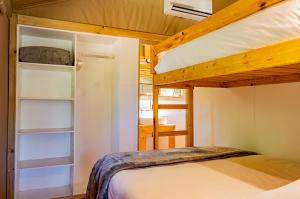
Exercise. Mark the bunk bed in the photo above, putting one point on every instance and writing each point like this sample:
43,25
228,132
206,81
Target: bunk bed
244,44
182,61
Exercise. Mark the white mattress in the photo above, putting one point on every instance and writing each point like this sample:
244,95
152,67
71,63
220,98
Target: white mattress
275,24
233,178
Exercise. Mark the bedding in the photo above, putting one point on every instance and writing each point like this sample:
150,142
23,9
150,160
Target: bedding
272,25
45,55
109,165
244,177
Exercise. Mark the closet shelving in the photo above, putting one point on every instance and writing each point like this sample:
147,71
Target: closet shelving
45,118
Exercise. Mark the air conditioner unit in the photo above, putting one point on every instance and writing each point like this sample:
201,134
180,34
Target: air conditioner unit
190,9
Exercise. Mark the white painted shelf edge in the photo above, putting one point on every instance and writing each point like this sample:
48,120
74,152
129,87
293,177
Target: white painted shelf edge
41,163
46,131
46,99
49,67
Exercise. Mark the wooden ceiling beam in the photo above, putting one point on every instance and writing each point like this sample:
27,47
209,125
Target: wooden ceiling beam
146,38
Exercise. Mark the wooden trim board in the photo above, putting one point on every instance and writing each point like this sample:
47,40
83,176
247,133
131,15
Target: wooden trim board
147,38
12,107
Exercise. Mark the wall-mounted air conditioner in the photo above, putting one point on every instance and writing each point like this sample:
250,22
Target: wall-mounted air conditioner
190,9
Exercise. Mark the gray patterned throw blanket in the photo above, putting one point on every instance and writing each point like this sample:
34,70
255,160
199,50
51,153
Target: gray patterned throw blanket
106,167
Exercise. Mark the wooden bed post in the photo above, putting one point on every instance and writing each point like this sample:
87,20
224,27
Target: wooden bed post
190,117
154,61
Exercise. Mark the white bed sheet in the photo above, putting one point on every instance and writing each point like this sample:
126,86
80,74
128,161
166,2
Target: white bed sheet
275,24
218,179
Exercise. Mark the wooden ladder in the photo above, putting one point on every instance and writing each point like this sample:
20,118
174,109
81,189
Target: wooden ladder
189,132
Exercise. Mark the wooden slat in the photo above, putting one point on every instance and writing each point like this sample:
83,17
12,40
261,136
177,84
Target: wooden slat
147,38
22,4
264,81
172,106
190,118
172,142
80,196
172,133
285,54
230,14
177,86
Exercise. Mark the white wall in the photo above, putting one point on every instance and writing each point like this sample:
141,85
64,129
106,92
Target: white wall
106,104
264,119
125,105
93,108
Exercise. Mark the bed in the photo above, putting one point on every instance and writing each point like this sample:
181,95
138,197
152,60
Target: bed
238,46
234,178
193,172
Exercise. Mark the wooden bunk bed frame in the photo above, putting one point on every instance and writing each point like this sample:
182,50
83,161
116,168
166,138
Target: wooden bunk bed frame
279,63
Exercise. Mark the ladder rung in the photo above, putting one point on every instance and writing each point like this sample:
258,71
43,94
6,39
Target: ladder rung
172,106
172,133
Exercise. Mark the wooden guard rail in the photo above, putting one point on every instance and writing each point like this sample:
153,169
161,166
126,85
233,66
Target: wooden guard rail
172,133
173,106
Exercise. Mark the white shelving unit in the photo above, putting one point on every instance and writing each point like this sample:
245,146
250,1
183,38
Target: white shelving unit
45,119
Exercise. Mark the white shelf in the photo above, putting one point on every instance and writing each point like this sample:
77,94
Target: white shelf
48,67
46,99
46,131
45,193
45,118
41,163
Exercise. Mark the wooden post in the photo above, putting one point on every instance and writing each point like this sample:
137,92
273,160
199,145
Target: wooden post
154,61
190,117
155,118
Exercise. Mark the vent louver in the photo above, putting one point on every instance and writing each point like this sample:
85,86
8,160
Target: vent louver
189,10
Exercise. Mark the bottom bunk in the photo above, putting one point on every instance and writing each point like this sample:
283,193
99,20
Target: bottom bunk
234,178
197,172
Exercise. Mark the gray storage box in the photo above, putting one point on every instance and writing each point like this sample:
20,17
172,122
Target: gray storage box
45,55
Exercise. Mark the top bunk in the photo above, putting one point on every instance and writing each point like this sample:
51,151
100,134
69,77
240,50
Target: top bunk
251,42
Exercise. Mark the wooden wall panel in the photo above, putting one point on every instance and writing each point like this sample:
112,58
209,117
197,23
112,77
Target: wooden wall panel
11,107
